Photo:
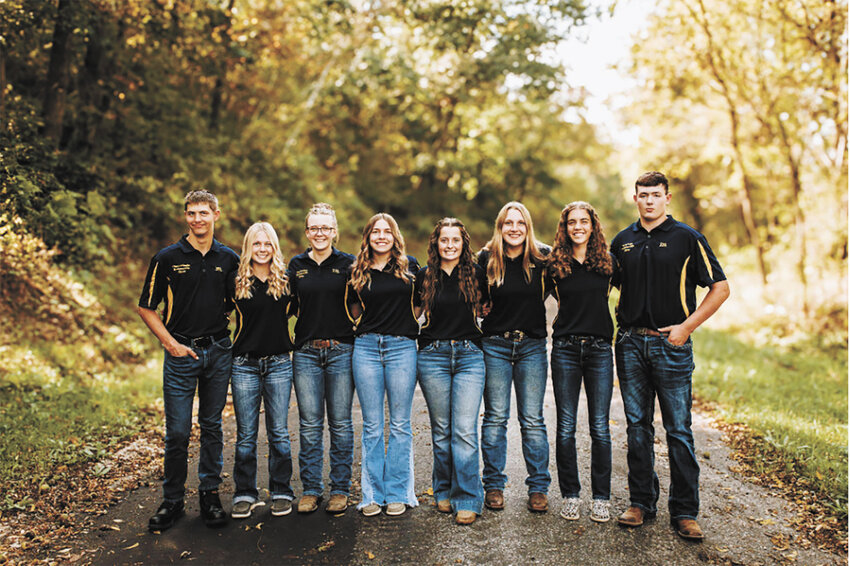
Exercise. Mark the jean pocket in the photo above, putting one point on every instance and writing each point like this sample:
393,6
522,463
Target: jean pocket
602,344
684,347
429,348
224,344
621,337
239,360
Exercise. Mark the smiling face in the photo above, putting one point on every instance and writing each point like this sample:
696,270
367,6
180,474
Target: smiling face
652,203
579,226
381,238
514,229
262,249
201,219
450,244
320,231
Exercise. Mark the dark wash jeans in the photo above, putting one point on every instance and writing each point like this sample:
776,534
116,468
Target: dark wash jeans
589,359
210,373
650,366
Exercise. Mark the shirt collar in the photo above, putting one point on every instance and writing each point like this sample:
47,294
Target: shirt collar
189,248
664,226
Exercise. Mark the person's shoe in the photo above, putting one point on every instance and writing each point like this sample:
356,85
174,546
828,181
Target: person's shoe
600,511
570,511
465,517
308,503
166,515
687,529
338,503
632,517
444,506
243,509
371,510
494,499
211,510
538,502
281,506
394,509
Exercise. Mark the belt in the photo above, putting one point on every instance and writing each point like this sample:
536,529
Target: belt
514,335
202,341
256,358
581,338
321,344
641,331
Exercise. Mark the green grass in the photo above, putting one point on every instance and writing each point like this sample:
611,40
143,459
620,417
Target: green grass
795,398
62,405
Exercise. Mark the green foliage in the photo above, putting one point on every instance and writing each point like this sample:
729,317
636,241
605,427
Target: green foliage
794,398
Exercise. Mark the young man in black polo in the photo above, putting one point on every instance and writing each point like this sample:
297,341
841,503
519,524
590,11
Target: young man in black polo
191,276
661,261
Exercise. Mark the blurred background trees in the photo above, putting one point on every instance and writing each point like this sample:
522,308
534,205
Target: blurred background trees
111,111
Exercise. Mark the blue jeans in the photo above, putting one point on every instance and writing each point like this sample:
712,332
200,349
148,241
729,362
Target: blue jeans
386,364
323,377
523,363
648,366
269,380
589,359
451,375
210,373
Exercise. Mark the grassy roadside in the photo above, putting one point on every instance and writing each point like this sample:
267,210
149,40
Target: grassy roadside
793,399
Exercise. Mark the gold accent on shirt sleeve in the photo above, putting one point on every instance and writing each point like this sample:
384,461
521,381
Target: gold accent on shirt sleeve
705,259
170,299
151,283
239,320
345,306
413,308
682,294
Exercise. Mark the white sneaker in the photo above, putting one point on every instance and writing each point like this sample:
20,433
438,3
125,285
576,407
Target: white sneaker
599,511
570,512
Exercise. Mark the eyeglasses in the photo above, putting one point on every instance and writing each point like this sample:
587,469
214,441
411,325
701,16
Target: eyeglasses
320,229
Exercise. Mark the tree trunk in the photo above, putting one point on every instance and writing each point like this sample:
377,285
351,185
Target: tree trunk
2,87
799,216
92,100
218,89
57,72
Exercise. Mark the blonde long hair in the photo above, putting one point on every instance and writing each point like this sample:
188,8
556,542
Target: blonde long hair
277,281
530,254
360,276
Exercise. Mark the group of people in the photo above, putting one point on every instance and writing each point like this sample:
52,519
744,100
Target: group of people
466,326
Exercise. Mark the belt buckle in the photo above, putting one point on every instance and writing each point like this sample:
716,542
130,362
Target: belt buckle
514,335
322,344
201,342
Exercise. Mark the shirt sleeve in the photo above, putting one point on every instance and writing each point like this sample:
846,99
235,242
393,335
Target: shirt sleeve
481,276
708,268
155,285
615,274
417,291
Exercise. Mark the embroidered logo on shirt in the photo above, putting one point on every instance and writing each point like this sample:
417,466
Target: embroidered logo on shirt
662,244
217,268
627,247
181,268
334,270
301,273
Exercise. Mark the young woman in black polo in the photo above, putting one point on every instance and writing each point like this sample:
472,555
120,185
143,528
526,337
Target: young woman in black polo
262,370
384,362
324,340
515,352
582,268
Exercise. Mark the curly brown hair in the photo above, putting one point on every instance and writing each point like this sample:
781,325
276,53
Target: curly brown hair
363,262
466,267
598,259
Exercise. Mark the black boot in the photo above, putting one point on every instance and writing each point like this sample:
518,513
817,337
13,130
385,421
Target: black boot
211,511
166,515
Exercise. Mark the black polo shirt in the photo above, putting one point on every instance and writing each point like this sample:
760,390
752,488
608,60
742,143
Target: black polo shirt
321,297
583,303
194,288
450,316
262,326
388,303
659,273
517,304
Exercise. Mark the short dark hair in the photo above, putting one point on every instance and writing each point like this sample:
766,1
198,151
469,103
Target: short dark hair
652,179
200,196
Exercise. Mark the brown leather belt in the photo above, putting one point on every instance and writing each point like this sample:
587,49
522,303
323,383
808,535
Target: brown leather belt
320,344
641,331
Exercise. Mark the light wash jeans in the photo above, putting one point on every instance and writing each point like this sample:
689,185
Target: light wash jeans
382,365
